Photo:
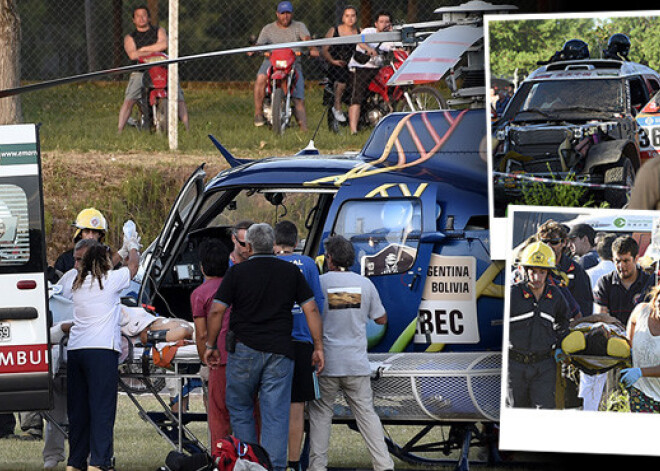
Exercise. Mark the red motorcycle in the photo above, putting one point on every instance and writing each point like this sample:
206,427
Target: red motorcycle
280,83
152,105
383,99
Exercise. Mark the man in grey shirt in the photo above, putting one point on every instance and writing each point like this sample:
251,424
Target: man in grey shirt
350,301
283,30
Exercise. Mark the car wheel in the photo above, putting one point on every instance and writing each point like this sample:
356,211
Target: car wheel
621,175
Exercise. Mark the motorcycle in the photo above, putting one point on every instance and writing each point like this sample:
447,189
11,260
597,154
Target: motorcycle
382,99
281,80
152,105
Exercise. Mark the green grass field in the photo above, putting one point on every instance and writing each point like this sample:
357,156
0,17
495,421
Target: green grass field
139,447
83,117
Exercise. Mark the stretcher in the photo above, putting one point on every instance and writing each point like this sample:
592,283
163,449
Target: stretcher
145,373
141,374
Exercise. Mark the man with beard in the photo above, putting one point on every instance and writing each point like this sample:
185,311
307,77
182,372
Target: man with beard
618,292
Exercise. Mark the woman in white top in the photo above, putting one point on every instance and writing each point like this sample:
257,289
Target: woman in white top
93,352
643,379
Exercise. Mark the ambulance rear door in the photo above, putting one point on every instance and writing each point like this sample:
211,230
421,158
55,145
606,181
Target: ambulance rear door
24,339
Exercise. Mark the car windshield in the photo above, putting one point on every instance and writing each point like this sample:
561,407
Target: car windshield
552,98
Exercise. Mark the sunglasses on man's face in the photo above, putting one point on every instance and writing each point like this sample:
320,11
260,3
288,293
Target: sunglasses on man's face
553,241
242,243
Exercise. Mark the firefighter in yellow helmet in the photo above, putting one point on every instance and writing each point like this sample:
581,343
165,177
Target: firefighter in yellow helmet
538,320
89,224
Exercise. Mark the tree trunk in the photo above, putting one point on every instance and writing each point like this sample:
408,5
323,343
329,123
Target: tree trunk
10,66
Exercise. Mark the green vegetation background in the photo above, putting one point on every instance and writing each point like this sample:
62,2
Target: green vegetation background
520,44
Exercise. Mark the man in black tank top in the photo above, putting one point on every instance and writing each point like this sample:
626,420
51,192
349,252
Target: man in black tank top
145,40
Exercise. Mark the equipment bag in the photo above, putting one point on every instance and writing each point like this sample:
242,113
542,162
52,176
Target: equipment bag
231,454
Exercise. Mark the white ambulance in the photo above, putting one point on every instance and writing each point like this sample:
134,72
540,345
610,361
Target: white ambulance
24,339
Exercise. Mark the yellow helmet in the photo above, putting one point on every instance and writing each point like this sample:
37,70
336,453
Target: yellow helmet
90,218
538,254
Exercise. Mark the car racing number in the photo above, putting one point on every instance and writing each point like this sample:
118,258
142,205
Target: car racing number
649,136
448,310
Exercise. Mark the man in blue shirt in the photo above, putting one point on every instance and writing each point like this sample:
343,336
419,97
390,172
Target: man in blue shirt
303,387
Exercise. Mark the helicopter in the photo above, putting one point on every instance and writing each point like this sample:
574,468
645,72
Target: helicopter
414,203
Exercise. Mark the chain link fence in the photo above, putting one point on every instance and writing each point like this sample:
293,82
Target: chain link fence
68,37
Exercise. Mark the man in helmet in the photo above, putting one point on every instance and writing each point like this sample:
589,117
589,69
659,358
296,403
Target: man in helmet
618,47
90,224
538,320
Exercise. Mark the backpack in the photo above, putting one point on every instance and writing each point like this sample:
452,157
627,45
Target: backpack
231,454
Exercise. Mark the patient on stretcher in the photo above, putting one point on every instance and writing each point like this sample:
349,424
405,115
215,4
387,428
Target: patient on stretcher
597,343
137,322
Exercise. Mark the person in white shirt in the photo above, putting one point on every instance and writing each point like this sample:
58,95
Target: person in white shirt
591,386
362,73
93,353
606,265
350,301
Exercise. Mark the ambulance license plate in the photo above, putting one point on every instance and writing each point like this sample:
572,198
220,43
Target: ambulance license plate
5,332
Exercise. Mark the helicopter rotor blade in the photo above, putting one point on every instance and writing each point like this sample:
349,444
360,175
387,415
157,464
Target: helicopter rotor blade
436,55
401,34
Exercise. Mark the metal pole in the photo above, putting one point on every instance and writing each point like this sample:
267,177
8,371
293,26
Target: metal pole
173,75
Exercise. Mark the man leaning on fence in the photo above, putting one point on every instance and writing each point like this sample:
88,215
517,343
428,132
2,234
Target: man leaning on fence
145,40
261,293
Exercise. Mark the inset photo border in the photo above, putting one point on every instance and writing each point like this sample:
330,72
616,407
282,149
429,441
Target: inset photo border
530,420
575,119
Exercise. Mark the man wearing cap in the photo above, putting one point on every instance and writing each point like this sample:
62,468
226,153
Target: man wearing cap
538,320
283,30
582,241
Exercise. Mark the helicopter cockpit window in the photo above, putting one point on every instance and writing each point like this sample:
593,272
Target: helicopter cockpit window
385,233
14,230
271,205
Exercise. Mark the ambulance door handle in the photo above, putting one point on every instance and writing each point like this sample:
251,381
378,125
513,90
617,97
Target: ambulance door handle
20,313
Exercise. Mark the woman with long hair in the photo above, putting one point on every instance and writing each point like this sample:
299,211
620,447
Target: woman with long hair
643,379
338,56
93,354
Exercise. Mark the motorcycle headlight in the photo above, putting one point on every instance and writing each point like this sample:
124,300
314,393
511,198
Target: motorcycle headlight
280,64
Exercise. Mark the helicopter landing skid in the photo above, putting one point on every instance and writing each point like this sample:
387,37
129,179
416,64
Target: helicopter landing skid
433,444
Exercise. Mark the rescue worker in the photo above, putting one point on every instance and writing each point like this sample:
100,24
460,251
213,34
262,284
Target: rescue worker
568,272
90,223
538,321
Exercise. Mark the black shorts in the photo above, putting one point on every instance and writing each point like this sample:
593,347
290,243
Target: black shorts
302,389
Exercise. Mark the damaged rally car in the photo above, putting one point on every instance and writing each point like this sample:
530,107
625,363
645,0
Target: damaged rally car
574,119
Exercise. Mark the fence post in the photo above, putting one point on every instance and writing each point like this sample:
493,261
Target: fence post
173,75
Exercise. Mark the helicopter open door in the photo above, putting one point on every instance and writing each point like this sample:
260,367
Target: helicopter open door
158,258
386,224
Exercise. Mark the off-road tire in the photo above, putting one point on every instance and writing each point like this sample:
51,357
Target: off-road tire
622,174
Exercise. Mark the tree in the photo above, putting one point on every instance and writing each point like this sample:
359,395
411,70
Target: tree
10,67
